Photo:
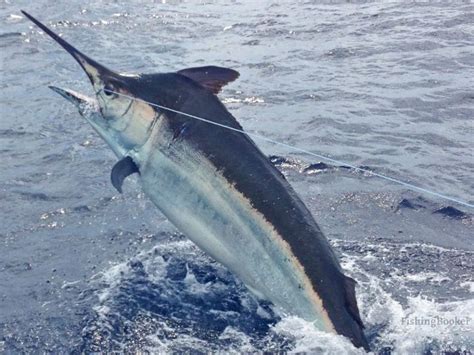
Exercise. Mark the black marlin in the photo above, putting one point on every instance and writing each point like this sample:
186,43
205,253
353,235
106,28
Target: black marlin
218,188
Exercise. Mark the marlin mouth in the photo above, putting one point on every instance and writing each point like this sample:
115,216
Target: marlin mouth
74,97
89,109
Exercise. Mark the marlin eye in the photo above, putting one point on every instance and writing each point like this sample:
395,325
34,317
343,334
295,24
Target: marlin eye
109,90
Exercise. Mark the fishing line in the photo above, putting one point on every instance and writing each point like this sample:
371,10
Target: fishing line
301,150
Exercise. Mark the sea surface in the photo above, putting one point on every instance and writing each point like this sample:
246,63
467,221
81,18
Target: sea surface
386,86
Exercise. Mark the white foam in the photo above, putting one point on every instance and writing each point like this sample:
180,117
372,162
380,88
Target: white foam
405,325
424,321
432,277
419,323
310,340
469,285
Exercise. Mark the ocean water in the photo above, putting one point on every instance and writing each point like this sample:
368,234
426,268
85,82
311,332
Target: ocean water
386,86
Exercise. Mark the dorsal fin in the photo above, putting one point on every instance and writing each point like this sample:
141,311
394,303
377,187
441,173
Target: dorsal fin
211,77
351,302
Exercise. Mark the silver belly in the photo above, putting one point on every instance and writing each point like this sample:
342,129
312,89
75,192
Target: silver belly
202,204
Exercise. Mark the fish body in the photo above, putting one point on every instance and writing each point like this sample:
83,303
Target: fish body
218,188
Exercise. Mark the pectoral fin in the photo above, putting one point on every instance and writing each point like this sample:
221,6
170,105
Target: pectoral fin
121,170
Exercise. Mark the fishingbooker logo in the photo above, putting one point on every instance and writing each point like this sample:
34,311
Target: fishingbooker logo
436,321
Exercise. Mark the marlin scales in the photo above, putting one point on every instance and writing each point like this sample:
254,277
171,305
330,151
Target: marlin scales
217,187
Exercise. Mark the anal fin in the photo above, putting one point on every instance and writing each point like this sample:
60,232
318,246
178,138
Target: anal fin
351,302
123,168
